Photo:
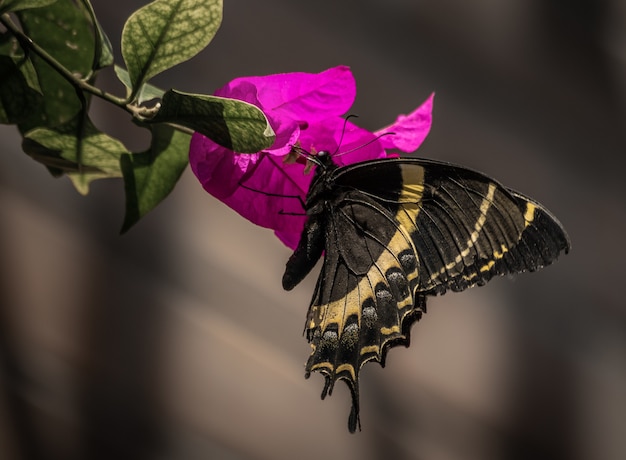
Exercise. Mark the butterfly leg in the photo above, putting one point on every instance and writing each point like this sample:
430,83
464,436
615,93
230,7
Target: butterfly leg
278,195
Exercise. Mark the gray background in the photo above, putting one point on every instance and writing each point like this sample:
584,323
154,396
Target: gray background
176,341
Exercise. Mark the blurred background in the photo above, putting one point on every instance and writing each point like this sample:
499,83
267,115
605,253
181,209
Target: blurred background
176,341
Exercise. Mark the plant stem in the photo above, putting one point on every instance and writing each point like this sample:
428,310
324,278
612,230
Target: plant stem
78,83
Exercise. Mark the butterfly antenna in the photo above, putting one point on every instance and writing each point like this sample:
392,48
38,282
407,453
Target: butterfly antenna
343,132
371,141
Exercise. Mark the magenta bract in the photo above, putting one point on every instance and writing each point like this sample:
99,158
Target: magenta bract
303,109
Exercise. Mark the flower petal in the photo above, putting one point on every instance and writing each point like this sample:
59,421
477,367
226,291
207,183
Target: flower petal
409,130
297,95
258,186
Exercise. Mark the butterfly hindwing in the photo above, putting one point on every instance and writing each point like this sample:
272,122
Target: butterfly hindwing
394,231
365,292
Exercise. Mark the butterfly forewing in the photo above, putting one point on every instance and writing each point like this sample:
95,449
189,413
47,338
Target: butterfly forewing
396,230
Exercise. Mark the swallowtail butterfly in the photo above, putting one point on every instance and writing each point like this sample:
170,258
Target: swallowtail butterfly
394,231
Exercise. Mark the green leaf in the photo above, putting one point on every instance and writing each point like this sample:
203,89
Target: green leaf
234,124
17,96
19,87
150,176
147,91
9,47
103,49
16,5
77,148
165,33
64,29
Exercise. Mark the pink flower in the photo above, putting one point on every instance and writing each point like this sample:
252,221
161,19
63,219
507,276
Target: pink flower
303,109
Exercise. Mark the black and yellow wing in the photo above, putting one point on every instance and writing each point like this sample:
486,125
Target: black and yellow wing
396,230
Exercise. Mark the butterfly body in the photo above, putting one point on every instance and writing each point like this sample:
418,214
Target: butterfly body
393,231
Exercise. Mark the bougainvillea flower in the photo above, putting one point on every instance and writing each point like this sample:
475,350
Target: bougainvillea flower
306,110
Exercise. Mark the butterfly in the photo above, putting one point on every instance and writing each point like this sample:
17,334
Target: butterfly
392,232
